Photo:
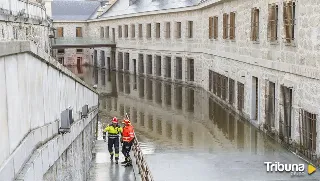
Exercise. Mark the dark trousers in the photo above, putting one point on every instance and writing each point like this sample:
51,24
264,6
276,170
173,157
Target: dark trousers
126,148
113,141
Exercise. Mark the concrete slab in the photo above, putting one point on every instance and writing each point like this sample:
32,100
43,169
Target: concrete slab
103,169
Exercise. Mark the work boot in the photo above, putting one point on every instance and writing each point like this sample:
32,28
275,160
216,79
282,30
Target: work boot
125,161
111,157
129,162
117,159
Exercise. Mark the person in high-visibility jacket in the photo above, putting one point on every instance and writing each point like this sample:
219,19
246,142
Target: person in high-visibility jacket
127,139
114,130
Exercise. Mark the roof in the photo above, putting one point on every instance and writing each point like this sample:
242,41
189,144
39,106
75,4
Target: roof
73,9
122,7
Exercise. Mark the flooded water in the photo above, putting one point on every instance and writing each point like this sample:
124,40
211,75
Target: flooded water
186,134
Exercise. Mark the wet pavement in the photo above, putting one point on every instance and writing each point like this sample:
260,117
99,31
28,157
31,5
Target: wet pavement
185,134
103,169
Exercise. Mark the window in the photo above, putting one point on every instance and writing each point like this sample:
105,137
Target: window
178,30
231,91
133,31
254,24
79,50
215,27
61,60
190,29
240,96
101,32
158,30
119,31
289,11
210,27
308,130
168,29
60,32
273,23
232,25
60,51
225,25
190,69
140,30
148,30
78,31
107,32
126,31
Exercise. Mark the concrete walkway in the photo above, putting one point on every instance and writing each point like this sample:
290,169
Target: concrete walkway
103,169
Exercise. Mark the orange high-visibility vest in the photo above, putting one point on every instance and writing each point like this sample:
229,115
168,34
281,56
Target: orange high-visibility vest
128,133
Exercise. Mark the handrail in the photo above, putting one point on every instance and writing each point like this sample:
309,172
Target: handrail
144,169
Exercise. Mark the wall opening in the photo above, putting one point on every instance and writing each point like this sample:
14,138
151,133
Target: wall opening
285,116
231,91
95,58
141,64
149,89
134,66
190,99
127,62
120,61
141,87
158,65
158,91
109,63
254,99
113,60
167,94
168,67
270,105
103,77
240,96
179,68
190,69
308,133
149,64
79,61
103,59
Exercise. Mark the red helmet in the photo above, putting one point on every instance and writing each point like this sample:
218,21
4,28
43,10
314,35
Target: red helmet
114,120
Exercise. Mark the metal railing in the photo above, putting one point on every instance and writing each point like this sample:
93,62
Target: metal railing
143,167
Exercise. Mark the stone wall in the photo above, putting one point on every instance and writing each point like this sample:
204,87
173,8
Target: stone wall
74,163
35,90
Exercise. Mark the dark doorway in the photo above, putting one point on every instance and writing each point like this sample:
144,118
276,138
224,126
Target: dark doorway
108,62
79,61
134,66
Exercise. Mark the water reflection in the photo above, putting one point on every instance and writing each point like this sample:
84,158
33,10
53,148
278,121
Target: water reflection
195,123
206,125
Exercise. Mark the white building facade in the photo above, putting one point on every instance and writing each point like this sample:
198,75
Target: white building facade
259,57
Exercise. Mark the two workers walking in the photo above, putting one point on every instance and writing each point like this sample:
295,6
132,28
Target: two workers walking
127,138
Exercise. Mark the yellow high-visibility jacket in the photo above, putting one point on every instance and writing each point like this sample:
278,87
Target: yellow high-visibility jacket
113,131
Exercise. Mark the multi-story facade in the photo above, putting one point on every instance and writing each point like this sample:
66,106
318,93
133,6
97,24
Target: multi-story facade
70,25
259,57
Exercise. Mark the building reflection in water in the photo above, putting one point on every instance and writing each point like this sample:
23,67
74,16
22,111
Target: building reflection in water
195,121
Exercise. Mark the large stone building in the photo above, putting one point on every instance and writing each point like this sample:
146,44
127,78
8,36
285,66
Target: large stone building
259,57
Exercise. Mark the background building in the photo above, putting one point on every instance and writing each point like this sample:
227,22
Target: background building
259,57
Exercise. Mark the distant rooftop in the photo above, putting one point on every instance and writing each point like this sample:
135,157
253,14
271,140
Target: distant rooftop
123,7
73,9
87,9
